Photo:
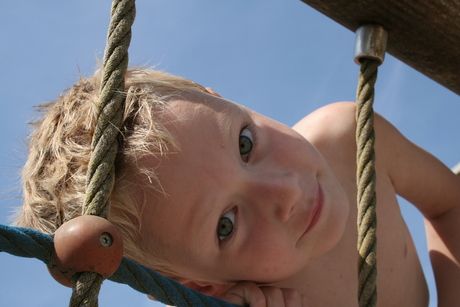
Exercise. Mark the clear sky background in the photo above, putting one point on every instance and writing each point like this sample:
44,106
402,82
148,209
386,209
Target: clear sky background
278,57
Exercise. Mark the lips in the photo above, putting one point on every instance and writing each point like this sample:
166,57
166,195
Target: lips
316,210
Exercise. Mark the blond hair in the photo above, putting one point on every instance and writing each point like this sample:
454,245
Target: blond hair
59,148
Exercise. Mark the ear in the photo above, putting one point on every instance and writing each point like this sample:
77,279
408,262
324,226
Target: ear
211,91
209,289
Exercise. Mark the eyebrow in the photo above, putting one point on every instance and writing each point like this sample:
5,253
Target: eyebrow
226,123
203,223
230,113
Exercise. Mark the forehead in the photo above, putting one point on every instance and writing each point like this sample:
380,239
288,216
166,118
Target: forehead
197,118
192,106
204,128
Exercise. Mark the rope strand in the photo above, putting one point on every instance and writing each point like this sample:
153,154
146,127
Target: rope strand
366,181
85,289
101,171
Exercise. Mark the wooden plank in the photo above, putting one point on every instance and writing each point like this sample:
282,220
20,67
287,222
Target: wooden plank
425,34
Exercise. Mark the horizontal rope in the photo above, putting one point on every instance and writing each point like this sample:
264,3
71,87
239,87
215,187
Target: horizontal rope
25,242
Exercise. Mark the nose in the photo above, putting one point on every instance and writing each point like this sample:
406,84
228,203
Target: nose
276,193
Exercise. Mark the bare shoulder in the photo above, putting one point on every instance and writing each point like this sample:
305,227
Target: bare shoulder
330,127
335,114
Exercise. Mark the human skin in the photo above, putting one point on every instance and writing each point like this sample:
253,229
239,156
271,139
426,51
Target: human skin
286,204
273,194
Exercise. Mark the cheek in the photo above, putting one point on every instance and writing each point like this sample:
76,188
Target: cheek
296,151
339,202
269,256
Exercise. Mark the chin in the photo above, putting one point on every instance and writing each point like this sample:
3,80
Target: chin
275,279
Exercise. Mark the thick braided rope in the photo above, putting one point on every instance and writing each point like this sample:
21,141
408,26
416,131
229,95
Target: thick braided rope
101,172
366,198
25,242
101,175
85,289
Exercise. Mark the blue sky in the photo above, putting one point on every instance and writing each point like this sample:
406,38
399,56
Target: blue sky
278,57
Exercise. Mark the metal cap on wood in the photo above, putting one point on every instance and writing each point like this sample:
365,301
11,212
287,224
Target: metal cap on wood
370,43
423,34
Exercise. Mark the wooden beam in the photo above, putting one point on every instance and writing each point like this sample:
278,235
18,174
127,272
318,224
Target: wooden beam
425,34
456,169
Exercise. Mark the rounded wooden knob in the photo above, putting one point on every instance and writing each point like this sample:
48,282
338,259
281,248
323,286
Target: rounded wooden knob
86,244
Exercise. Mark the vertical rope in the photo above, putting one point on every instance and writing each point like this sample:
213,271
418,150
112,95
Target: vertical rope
101,175
366,182
85,289
101,172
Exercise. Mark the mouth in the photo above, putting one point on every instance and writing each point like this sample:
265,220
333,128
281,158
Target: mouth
315,213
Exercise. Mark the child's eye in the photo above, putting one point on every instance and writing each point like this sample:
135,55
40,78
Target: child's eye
225,225
246,142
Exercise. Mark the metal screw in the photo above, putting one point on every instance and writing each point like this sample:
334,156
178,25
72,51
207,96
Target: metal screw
106,239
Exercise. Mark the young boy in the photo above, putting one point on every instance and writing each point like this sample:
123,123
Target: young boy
237,205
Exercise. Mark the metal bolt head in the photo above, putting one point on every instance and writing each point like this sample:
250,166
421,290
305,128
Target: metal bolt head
106,239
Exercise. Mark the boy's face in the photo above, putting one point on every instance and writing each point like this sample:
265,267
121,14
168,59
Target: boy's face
247,197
